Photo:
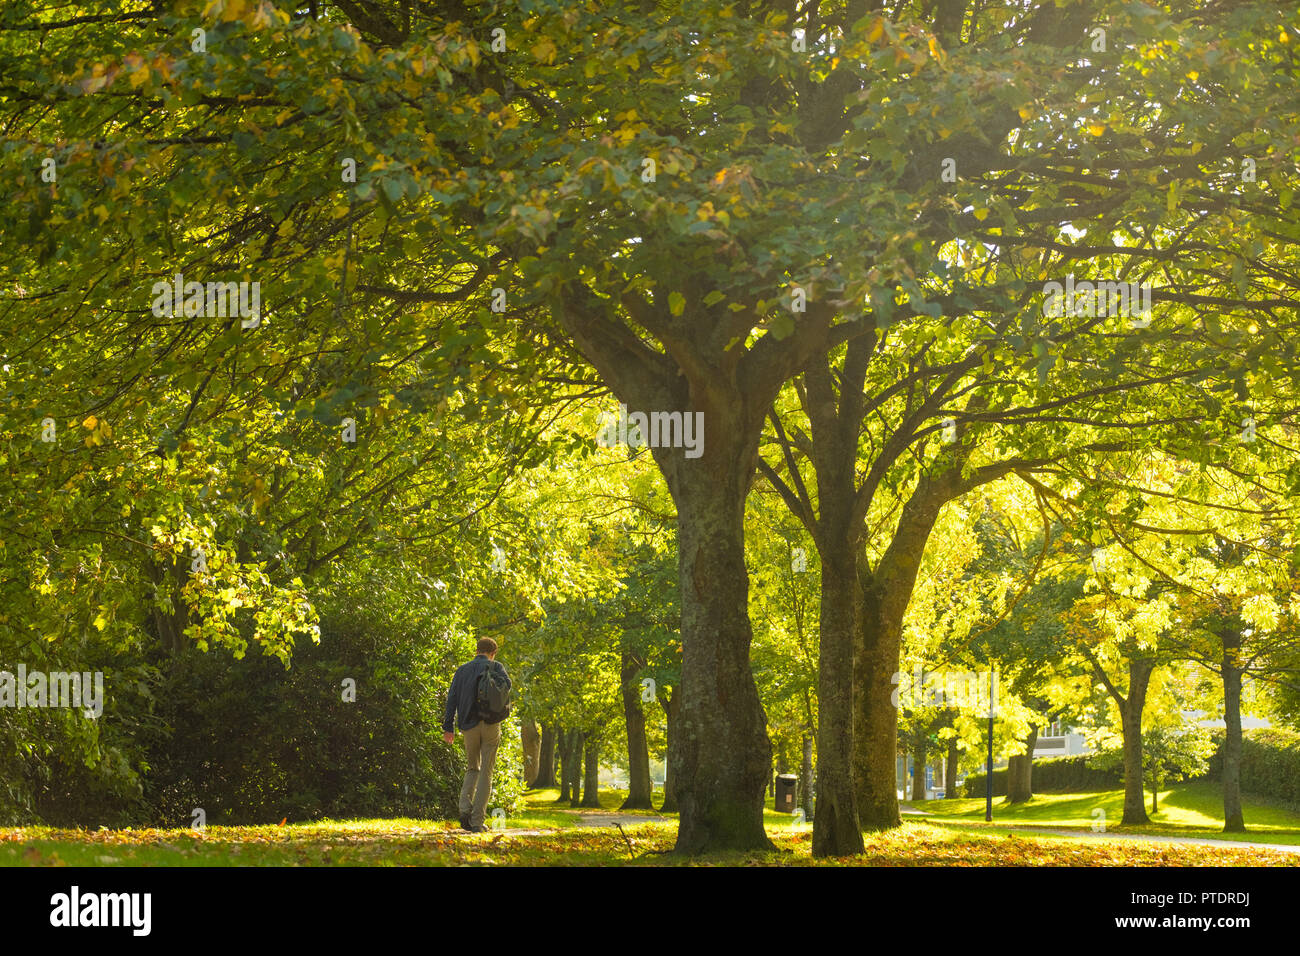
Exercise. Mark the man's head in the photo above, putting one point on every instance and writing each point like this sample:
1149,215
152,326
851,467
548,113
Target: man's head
487,646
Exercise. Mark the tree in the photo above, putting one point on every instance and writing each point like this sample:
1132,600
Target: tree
1010,384
696,231
1169,753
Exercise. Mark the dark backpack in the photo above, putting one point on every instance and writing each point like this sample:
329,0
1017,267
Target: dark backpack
493,696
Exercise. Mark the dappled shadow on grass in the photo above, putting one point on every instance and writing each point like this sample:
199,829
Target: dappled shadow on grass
1187,810
1051,809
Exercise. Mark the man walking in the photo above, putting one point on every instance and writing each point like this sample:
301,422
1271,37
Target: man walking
482,732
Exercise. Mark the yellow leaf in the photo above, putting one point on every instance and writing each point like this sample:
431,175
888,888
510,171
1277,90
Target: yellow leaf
1026,113
139,76
544,50
1096,129
981,214
90,422
262,18
876,30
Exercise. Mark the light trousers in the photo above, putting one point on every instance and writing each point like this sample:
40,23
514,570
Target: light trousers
481,742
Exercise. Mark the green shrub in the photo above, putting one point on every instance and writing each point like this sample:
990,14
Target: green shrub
58,766
1052,775
1270,764
975,783
251,742
1270,768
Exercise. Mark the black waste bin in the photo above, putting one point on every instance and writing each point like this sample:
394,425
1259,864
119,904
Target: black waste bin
785,787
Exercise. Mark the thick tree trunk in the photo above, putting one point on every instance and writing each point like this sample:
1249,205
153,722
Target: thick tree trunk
836,831
638,751
720,754
950,771
545,760
875,732
1135,811
576,744
919,740
566,768
571,767
531,741
885,597
806,778
1234,821
1020,769
670,702
835,429
591,784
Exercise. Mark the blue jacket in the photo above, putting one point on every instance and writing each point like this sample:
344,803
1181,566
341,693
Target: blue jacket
462,698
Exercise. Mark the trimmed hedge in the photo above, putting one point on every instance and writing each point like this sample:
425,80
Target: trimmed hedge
975,783
1053,775
1270,764
1270,768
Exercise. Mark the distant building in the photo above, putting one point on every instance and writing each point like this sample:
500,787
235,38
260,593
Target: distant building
1061,745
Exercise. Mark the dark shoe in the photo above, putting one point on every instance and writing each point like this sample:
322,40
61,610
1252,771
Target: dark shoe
464,823
478,829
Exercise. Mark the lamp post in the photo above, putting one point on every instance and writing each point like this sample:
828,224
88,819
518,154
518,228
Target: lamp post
988,776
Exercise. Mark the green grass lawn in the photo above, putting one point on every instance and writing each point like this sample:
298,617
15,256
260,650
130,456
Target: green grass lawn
1190,810
544,833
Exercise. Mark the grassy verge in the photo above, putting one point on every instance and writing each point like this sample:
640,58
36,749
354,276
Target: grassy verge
1191,810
